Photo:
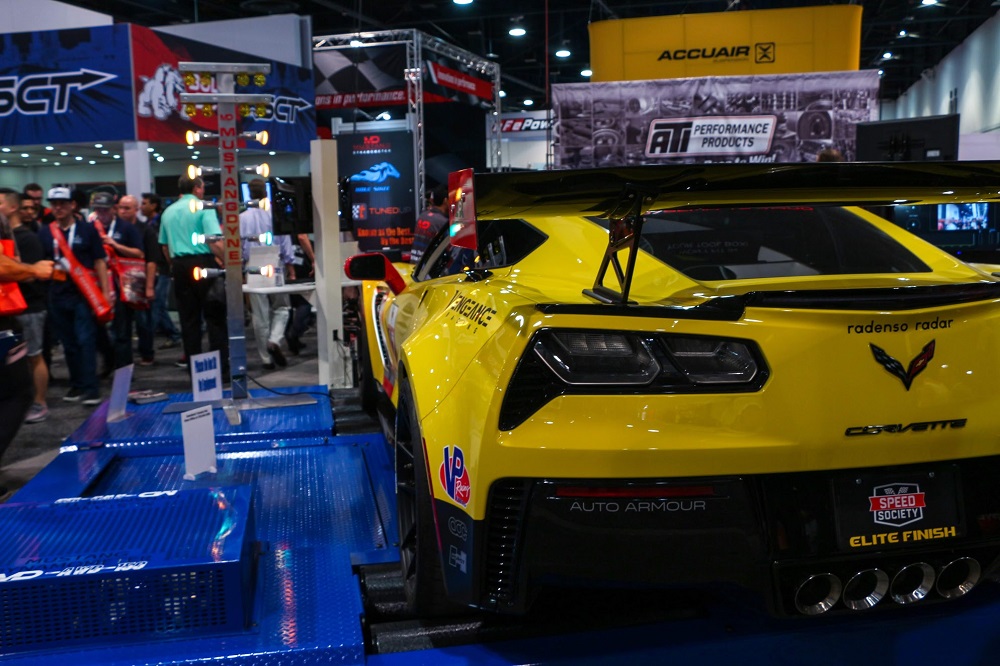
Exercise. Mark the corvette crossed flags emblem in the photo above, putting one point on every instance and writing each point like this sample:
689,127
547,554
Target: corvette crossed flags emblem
895,368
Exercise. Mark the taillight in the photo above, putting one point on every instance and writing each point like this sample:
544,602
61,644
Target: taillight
597,357
561,361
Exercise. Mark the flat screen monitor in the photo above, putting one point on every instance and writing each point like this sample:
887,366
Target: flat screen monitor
933,138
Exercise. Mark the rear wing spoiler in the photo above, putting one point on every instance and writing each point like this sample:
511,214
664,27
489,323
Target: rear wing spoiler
625,194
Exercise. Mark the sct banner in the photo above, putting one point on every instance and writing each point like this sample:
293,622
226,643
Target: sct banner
65,86
379,171
290,120
772,118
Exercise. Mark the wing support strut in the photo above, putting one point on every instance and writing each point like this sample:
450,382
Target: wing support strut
624,232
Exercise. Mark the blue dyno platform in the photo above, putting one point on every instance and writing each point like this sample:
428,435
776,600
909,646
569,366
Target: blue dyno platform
318,505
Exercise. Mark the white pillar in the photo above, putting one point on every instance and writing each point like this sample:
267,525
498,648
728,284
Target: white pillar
334,356
138,177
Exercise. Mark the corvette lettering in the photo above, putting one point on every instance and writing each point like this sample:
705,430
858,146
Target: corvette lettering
919,426
45,93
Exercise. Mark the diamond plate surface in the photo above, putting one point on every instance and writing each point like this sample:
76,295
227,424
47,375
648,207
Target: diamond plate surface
147,426
314,507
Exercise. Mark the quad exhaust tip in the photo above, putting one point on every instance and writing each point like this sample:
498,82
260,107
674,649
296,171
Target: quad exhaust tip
912,583
865,589
817,594
958,577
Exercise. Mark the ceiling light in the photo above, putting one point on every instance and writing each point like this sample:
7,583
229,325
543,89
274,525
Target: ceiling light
117,157
25,155
902,33
462,2
105,152
928,3
98,145
502,93
3,161
78,158
563,53
517,30
64,153
57,163
586,72
149,150
881,72
49,148
272,153
93,162
45,159
6,150
356,43
528,101
887,55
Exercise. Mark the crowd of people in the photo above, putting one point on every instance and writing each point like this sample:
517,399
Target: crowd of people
96,271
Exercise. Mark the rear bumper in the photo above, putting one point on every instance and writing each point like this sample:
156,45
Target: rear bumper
766,533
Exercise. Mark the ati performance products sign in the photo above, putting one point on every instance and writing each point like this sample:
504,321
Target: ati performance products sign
379,170
740,119
65,86
916,508
711,135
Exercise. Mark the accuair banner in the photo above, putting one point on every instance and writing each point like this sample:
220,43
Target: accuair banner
379,170
782,118
764,41
290,120
65,86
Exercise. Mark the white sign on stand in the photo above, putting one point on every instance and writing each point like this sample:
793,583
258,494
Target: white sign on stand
198,433
206,376
119,393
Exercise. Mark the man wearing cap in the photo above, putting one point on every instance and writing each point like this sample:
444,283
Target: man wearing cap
71,315
180,223
120,238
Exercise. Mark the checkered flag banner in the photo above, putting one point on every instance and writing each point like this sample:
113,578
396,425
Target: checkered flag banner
350,77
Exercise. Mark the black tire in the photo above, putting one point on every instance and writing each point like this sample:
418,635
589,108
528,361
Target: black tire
368,387
423,581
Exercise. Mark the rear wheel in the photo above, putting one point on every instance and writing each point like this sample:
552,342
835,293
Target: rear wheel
368,387
418,550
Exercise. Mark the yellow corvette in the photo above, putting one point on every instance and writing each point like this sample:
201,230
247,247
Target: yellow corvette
692,375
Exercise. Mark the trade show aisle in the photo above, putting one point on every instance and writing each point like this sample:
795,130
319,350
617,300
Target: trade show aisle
37,444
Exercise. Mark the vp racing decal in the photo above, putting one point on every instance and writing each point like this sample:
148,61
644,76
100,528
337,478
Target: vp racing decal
454,476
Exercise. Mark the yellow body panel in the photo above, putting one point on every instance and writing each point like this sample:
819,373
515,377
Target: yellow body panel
459,343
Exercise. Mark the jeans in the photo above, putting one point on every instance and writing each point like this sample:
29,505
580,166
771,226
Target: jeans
270,317
74,323
144,329
161,318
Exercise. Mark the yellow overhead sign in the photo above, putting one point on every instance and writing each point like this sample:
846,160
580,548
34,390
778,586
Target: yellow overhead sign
764,41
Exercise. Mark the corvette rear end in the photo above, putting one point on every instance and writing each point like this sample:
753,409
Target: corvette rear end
760,387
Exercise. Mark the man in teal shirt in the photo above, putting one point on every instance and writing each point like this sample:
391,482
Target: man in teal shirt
196,299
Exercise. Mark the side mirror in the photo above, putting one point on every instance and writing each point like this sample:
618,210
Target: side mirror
374,266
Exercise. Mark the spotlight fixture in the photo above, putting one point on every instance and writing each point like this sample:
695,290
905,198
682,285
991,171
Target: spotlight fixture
198,239
564,51
193,171
261,137
265,238
263,170
517,30
266,271
263,204
204,273
194,205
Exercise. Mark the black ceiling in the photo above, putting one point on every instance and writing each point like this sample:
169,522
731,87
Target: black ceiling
528,64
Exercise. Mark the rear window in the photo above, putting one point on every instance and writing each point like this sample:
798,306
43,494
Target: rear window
746,243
